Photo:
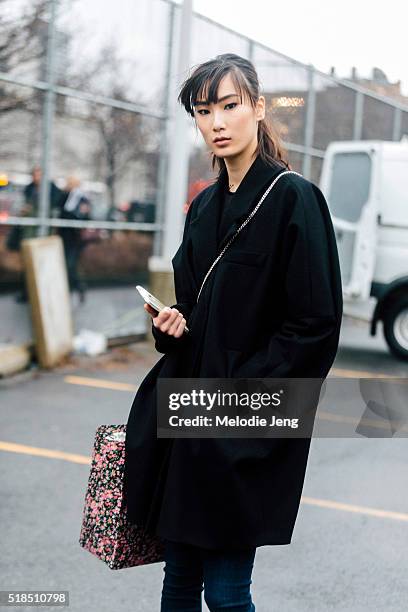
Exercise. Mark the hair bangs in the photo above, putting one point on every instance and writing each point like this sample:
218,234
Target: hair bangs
204,83
207,90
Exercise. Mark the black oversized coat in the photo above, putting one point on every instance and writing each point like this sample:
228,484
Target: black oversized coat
271,307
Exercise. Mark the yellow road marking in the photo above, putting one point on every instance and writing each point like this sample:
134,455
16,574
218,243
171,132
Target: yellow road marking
312,501
326,503
43,452
99,382
343,418
343,373
118,386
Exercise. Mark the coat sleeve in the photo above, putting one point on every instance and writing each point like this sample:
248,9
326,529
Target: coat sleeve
163,342
306,343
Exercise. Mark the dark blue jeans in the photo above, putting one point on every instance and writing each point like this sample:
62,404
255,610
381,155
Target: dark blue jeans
226,575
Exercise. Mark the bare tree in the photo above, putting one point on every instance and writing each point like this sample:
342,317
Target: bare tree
21,35
124,135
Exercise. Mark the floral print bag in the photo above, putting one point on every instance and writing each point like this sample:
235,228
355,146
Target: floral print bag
105,530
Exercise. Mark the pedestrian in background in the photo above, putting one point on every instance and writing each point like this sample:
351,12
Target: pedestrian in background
30,208
32,199
74,204
271,308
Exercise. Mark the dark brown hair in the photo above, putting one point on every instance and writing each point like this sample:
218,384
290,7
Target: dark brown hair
204,81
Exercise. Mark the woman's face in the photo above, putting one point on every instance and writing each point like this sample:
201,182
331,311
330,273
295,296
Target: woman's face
230,118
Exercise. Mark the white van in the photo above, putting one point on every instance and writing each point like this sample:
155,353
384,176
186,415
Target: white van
366,187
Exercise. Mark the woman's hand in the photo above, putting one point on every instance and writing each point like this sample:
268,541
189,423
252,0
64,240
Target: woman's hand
169,320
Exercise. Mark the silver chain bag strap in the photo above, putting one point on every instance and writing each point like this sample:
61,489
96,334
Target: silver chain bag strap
247,220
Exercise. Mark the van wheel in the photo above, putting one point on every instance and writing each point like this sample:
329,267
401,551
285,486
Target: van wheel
396,328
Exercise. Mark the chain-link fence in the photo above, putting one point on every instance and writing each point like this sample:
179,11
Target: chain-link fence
84,95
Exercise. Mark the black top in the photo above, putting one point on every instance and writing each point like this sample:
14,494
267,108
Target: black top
32,196
225,217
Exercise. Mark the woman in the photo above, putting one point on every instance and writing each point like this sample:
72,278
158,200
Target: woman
271,307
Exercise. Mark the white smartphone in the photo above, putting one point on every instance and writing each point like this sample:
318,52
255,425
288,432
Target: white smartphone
153,301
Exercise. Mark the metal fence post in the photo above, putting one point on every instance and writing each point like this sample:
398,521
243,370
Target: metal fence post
358,116
309,123
164,134
179,145
48,118
251,50
396,128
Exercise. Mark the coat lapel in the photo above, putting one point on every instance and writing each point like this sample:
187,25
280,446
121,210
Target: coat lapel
203,229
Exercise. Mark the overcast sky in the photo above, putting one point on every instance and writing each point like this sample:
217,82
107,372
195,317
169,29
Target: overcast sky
324,32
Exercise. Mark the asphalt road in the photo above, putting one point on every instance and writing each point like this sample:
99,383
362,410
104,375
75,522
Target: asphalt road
350,546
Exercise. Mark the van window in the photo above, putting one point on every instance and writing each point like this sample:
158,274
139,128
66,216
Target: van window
394,190
350,184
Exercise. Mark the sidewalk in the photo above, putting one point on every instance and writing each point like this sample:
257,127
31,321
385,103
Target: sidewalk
114,311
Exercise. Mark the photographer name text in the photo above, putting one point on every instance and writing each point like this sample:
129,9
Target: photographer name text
237,421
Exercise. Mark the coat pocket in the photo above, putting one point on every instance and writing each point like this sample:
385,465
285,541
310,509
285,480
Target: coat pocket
240,298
